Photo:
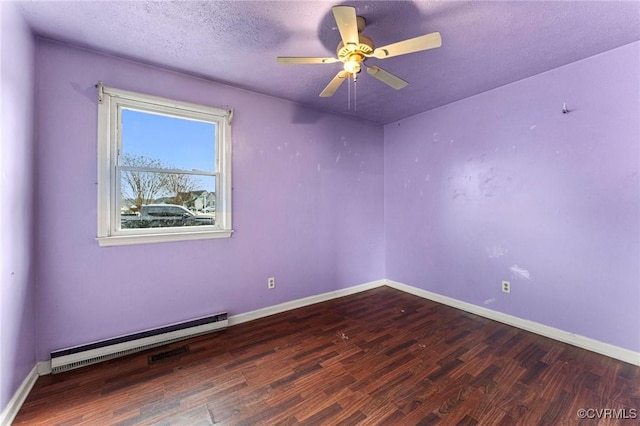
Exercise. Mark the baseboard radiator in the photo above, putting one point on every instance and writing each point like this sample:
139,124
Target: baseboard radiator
78,356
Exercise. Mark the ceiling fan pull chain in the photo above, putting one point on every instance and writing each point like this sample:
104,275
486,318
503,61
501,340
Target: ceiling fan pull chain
355,93
348,93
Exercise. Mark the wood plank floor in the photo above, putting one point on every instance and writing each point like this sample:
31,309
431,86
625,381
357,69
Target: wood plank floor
377,357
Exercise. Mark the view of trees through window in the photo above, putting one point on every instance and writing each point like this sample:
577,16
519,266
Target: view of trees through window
167,171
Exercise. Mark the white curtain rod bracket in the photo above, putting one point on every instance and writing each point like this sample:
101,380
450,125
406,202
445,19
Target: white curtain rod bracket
100,87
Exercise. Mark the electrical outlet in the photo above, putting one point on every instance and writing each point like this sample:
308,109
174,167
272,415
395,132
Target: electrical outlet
271,282
506,287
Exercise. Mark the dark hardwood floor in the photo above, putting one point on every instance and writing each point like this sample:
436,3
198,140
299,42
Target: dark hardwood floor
378,357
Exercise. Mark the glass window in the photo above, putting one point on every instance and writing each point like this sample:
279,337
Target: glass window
164,170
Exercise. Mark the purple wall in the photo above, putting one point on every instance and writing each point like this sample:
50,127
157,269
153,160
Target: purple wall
503,186
308,208
17,290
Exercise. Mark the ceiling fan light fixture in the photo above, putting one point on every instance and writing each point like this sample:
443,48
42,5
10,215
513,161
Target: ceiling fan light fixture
352,66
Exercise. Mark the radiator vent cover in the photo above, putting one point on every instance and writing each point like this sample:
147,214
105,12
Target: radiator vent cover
92,353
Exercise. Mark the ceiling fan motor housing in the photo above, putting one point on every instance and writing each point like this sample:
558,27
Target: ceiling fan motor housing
355,53
365,45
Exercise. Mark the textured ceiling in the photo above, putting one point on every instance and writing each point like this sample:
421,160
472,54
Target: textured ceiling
484,44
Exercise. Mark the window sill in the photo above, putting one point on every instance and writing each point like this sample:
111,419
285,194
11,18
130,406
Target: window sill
125,240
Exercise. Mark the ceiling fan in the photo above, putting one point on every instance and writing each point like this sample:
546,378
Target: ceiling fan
355,48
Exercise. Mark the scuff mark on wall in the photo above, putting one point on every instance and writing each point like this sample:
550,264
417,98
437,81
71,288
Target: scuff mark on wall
496,251
457,194
494,182
489,301
519,272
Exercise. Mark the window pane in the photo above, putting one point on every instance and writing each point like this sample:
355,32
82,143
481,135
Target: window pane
160,141
154,200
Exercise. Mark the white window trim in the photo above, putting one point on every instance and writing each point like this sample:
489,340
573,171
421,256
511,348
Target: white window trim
109,100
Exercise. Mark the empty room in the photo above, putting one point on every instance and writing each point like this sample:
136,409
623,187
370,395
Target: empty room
321,213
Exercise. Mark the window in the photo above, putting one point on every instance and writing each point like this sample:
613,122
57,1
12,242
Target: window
164,169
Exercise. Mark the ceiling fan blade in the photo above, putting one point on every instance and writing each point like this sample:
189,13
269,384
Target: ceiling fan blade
427,41
345,17
386,77
334,84
289,60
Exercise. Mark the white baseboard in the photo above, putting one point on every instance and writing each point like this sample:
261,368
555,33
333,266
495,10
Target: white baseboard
15,403
299,303
44,368
583,342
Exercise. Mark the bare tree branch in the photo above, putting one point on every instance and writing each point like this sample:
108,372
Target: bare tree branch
182,186
142,187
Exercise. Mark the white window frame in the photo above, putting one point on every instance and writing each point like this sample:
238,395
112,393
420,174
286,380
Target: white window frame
110,103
